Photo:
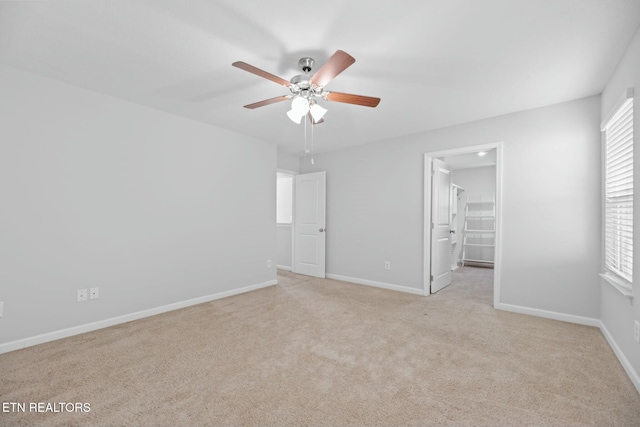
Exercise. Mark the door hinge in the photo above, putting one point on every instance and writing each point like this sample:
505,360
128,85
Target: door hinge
431,278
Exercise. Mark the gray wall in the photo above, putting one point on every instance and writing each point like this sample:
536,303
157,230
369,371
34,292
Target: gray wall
284,246
288,161
617,311
551,210
152,208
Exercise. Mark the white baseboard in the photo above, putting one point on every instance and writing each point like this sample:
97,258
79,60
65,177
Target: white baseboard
88,327
580,320
633,375
285,268
389,286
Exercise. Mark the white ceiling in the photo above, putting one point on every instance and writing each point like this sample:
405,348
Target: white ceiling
433,63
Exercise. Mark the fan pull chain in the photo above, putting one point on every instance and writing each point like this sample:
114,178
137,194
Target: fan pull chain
305,139
311,140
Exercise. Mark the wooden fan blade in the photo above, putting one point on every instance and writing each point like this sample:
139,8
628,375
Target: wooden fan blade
266,102
258,72
314,122
338,62
367,101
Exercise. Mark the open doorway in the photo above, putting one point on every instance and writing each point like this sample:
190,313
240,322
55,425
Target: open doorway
473,181
463,198
473,208
285,181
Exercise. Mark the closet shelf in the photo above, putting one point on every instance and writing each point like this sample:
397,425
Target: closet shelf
479,261
478,242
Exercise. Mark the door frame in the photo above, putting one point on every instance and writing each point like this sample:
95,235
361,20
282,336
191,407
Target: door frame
428,164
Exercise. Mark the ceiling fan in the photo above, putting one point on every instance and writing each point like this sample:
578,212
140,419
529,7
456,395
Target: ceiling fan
305,88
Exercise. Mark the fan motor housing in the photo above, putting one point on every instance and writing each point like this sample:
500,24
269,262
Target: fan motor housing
301,80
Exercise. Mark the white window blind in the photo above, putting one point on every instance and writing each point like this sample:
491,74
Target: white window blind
619,192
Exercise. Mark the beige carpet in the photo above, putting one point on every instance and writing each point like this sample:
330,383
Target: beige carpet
323,352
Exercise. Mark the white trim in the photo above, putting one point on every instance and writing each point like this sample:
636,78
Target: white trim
464,150
100,324
628,94
375,284
287,172
497,255
284,267
618,283
633,375
427,212
563,317
426,226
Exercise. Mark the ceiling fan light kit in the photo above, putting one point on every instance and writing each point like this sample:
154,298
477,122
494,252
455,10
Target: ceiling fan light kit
301,107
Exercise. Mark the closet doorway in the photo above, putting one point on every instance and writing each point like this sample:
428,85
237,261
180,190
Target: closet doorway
470,217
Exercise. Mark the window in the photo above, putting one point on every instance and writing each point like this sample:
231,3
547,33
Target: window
618,195
284,199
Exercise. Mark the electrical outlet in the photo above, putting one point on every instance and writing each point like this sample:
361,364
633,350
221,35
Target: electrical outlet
1,308
387,265
636,331
268,263
94,293
82,295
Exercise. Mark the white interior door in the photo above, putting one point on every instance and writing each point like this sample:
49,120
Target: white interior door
309,224
441,227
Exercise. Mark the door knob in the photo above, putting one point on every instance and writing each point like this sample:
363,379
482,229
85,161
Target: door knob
322,230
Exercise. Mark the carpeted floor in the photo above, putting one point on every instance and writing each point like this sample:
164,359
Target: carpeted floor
324,352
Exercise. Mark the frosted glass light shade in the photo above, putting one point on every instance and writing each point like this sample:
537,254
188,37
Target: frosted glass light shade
317,112
295,116
300,105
